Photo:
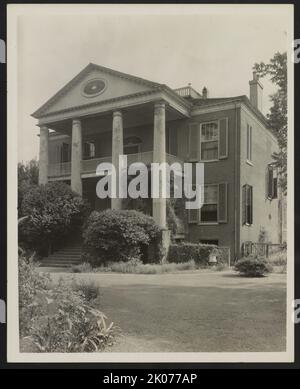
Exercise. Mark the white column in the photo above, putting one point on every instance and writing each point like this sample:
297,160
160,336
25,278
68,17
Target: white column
43,157
76,157
159,156
117,149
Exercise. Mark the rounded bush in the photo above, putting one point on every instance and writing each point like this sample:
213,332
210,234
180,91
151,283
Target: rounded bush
252,267
54,213
113,235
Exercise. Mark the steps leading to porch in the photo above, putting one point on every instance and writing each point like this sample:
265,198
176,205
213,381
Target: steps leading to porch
65,257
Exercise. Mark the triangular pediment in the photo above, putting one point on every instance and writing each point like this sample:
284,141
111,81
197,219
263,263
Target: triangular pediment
94,84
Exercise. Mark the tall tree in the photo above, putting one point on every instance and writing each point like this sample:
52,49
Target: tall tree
276,69
28,176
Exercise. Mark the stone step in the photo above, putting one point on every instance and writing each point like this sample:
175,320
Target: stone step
58,262
65,257
55,255
51,264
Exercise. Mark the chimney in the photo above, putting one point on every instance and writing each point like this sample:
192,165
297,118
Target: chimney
256,92
205,93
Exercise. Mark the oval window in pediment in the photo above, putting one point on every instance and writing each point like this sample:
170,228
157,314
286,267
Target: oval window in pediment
94,87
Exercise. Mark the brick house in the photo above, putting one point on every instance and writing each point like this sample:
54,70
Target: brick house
102,113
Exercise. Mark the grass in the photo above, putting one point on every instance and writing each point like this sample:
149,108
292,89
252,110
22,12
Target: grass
194,311
135,267
278,261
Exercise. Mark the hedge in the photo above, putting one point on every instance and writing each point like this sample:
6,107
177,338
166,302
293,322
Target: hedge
185,252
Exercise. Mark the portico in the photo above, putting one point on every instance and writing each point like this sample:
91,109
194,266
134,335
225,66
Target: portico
142,114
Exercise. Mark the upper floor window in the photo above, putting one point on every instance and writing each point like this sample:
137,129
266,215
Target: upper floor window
249,143
171,141
65,152
132,145
89,150
247,204
209,141
272,182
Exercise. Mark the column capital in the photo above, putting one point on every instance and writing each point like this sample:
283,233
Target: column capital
160,104
117,113
43,127
76,121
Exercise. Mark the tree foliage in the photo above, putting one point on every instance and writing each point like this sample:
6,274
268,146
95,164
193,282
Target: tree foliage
28,175
276,69
54,212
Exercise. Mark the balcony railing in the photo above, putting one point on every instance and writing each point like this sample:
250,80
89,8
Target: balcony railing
89,166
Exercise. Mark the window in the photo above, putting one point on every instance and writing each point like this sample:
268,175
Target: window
132,145
89,150
171,141
247,204
272,182
209,141
249,143
209,210
65,152
214,208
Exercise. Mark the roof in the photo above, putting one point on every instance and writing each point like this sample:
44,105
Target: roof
209,102
91,66
190,102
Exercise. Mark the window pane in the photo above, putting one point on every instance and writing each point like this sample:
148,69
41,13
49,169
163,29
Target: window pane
210,194
209,150
209,131
209,213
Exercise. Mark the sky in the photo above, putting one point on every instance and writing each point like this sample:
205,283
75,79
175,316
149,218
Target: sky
201,45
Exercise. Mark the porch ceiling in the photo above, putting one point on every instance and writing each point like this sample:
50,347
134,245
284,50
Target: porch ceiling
132,117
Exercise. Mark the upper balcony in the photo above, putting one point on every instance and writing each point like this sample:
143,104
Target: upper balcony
89,166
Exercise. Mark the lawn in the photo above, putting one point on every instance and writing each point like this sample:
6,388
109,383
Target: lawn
196,311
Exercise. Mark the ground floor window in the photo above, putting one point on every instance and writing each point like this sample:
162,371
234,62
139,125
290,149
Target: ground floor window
209,210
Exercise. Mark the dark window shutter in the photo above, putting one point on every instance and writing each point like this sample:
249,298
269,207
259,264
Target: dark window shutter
244,189
222,203
251,204
270,182
223,138
193,215
194,142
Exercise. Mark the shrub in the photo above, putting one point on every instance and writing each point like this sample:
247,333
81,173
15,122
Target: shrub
54,212
185,252
84,267
278,258
31,286
113,235
59,318
90,290
252,267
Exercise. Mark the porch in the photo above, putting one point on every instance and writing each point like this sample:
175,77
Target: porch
62,170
